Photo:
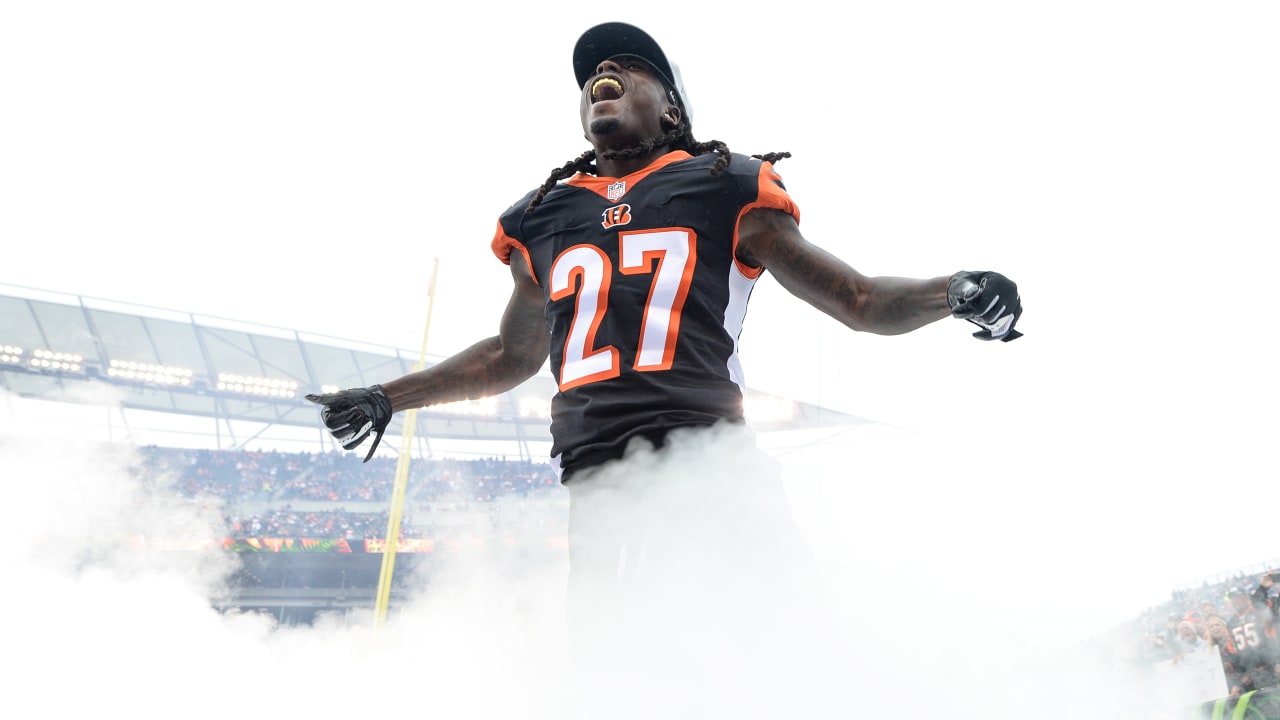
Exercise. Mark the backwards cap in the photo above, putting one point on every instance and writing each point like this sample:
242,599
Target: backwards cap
612,39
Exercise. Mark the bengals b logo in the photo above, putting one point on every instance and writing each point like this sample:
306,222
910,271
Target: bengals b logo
616,215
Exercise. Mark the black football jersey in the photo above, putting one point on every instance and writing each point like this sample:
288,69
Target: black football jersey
645,299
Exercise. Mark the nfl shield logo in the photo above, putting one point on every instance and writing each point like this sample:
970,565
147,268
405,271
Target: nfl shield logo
617,190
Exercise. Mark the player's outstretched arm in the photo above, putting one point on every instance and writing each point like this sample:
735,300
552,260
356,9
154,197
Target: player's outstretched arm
880,305
489,367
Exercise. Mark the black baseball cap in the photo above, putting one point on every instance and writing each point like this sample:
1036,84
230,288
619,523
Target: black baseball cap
612,39
1237,590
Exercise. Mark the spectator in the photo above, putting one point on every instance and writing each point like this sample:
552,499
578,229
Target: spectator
1218,634
1188,639
1254,634
1250,629
1170,632
1267,598
1207,608
1155,649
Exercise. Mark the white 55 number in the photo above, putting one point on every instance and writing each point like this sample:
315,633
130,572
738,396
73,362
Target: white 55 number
668,255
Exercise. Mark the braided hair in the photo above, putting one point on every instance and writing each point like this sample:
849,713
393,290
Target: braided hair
681,138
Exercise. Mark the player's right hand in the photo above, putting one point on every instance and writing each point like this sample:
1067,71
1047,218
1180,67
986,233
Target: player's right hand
352,415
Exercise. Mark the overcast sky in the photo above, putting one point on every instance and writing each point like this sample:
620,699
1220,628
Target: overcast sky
304,164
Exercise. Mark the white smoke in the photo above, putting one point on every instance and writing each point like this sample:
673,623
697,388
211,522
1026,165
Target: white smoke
891,623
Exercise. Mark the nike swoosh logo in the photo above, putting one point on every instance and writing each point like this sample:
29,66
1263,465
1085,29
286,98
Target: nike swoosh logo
1001,327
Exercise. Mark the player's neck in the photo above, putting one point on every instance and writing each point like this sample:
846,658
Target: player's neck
617,167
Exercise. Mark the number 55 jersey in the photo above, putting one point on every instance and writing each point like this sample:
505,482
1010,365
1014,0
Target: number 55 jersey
644,297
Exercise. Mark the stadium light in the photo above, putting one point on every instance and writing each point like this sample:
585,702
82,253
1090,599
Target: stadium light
52,360
535,407
10,354
260,386
149,372
768,409
484,407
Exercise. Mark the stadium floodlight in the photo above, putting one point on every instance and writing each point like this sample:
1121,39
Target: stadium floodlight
11,354
260,386
483,407
768,409
149,372
535,407
54,360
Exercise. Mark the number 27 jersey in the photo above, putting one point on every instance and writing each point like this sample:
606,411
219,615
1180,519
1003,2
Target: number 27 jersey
644,297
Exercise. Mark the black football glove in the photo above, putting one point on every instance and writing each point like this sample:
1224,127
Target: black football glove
351,415
988,300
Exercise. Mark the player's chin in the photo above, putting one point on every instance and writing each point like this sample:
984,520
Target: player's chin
604,126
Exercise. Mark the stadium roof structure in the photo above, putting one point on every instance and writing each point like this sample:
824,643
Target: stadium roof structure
245,382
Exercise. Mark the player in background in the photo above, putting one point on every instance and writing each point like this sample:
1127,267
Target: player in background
1253,630
631,268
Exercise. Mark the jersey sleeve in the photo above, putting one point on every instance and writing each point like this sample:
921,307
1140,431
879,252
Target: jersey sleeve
769,192
772,193
503,245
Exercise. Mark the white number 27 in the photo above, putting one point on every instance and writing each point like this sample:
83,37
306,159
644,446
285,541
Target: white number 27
669,255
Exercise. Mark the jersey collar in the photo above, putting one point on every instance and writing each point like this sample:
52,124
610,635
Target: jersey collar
600,185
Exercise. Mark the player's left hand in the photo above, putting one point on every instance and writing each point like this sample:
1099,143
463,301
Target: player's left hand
988,300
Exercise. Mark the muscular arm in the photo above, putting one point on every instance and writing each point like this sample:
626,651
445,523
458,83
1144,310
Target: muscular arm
880,305
491,366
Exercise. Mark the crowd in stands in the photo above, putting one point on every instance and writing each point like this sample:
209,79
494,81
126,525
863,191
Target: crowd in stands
280,480
288,523
1237,616
238,476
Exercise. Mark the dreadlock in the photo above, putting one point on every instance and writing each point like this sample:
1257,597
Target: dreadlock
681,138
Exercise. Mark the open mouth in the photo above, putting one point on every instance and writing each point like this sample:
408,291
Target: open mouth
605,88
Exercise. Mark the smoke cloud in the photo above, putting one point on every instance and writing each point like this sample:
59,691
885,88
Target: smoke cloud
821,585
